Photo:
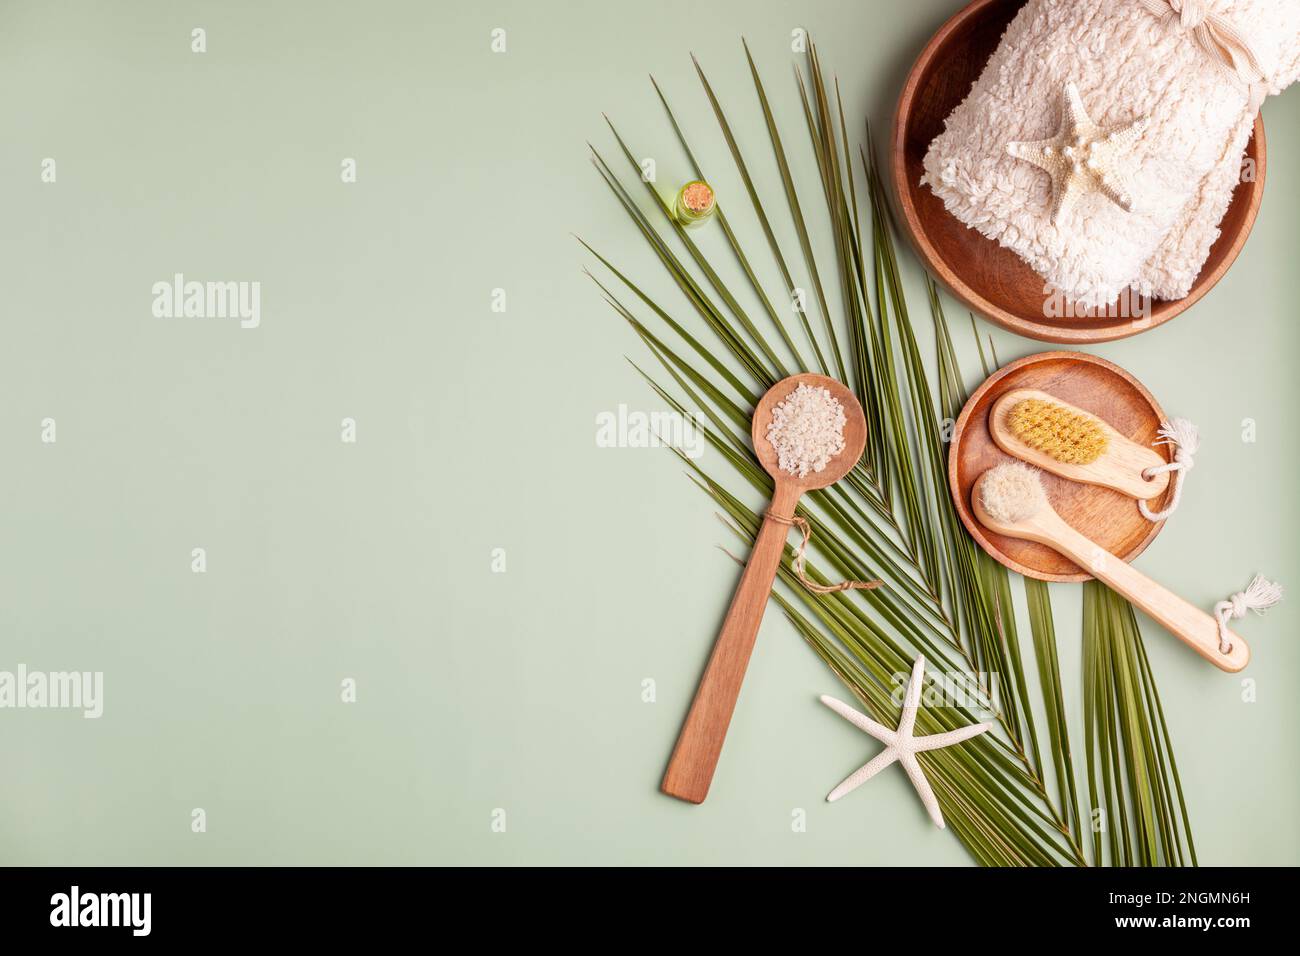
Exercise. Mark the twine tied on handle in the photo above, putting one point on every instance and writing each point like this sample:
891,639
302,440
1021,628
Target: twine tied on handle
800,556
1186,439
1214,33
1260,595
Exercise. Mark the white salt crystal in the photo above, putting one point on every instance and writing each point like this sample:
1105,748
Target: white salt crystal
807,430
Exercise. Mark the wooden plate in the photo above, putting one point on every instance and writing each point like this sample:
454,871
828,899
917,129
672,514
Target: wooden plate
1109,518
986,277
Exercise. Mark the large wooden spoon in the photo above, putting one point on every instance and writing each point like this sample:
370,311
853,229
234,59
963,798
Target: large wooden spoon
690,769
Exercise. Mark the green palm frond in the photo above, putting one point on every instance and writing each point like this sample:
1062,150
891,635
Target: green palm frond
892,516
1140,817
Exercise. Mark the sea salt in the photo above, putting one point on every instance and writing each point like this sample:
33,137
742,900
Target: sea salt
807,430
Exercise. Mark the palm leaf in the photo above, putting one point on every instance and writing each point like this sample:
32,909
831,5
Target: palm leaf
1133,778
892,516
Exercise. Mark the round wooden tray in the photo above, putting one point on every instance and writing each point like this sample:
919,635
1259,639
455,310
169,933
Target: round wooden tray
986,277
1109,518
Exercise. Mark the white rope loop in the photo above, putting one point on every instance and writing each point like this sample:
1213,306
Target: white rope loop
1260,595
1186,439
1220,39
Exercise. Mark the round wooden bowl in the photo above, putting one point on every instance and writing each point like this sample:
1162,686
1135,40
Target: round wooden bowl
986,277
1110,519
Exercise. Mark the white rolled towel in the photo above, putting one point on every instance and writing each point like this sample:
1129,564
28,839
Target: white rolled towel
1194,70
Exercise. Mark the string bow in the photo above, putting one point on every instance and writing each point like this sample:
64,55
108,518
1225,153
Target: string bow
1214,33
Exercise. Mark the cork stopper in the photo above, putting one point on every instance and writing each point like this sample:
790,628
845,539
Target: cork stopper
698,197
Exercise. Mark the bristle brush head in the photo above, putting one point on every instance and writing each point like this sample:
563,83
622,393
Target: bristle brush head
1012,492
1070,436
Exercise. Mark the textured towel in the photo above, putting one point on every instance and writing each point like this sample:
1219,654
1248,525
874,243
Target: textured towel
1128,64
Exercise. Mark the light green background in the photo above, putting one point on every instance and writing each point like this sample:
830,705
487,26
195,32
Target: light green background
476,430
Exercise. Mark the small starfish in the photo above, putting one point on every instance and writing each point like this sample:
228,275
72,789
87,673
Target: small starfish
1083,157
900,745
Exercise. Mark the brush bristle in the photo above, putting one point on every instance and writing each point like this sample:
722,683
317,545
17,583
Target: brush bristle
1011,492
1058,432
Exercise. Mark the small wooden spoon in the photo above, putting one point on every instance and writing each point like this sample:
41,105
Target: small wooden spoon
690,769
1119,468
1037,520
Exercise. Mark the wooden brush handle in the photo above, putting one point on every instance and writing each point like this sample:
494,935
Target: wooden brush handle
690,769
1187,622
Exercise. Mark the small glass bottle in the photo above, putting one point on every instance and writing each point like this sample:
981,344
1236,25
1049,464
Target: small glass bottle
695,203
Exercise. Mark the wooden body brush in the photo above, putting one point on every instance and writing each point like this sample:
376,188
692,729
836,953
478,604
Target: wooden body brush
690,769
1010,500
1059,437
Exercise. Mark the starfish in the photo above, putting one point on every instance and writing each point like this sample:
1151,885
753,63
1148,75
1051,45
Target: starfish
1083,157
900,745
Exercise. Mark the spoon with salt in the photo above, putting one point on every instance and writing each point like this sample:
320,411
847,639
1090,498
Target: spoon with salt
690,769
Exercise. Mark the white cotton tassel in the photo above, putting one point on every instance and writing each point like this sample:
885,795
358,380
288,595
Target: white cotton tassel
1260,595
1186,439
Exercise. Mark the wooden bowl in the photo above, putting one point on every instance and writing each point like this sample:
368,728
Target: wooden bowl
986,277
1109,518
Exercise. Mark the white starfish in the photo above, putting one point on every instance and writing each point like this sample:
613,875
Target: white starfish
900,745
1083,157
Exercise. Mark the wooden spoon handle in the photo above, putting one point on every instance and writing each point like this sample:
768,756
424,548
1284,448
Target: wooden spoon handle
690,769
1187,622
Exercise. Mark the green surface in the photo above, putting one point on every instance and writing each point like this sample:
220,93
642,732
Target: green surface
475,430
